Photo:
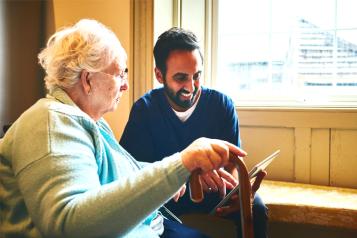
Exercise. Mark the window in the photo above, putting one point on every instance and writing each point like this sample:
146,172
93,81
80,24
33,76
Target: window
278,52
261,36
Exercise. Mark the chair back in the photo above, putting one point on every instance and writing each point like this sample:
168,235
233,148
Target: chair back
245,194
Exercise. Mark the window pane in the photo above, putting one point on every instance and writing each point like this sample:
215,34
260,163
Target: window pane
320,13
346,14
292,54
235,14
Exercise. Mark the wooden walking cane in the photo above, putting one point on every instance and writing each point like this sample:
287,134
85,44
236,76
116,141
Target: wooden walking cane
245,193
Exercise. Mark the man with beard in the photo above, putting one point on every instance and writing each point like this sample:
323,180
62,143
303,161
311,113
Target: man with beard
167,119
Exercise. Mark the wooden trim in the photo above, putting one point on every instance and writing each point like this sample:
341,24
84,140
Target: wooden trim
212,43
177,13
142,60
314,118
208,61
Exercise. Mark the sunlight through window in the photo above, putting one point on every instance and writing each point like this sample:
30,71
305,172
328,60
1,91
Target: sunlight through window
277,52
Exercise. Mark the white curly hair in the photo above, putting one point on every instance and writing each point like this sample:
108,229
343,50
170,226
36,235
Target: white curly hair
87,45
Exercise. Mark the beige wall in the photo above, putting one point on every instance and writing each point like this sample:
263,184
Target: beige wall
116,15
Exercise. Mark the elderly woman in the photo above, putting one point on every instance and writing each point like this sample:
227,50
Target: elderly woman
63,174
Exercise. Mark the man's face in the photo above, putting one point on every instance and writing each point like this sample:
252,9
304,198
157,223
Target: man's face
182,79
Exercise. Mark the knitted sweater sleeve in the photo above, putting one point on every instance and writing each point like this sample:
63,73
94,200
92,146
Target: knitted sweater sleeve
62,189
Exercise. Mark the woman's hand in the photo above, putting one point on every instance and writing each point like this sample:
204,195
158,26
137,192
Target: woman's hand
208,154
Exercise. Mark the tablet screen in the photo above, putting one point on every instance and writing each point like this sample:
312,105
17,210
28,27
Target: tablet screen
252,173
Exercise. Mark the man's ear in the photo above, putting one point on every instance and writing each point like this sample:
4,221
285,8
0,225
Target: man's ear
85,82
158,75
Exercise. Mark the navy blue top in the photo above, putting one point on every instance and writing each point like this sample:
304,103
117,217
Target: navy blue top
154,131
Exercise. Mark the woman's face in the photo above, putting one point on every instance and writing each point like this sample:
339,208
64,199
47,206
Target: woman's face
107,87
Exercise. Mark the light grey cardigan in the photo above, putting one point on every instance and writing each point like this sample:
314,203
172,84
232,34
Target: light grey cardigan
65,175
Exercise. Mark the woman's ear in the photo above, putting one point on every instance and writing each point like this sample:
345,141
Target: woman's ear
158,75
86,82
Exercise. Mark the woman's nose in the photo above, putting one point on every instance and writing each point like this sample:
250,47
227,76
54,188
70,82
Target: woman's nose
124,85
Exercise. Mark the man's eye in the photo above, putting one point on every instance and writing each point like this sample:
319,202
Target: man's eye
180,77
197,76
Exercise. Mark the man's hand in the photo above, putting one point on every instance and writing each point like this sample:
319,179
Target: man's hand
179,193
218,181
234,205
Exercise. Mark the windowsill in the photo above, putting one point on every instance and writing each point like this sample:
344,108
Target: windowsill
293,117
310,204
295,108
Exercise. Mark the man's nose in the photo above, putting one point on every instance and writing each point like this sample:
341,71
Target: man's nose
190,85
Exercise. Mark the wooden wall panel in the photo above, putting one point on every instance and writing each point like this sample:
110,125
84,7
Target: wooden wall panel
343,170
302,155
320,156
260,142
322,143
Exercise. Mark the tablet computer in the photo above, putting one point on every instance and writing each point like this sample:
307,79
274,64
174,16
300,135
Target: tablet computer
252,173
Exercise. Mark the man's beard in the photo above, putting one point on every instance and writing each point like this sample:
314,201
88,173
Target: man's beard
175,97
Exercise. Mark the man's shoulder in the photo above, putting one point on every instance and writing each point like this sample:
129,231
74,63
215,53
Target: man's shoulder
151,103
149,99
214,95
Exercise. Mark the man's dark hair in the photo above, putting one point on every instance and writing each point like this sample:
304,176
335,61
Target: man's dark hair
174,39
